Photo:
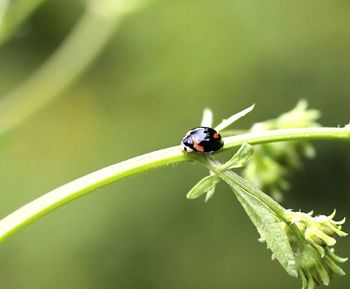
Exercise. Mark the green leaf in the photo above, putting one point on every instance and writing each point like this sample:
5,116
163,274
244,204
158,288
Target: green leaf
211,192
240,158
207,119
270,229
226,122
205,185
265,214
273,162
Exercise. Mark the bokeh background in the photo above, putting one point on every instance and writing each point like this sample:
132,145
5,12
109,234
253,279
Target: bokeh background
148,85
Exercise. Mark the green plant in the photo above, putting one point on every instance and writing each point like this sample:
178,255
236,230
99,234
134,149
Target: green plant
59,71
303,244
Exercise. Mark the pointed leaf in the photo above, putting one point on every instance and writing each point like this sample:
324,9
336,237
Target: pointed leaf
240,158
269,227
226,122
207,119
203,186
265,220
211,192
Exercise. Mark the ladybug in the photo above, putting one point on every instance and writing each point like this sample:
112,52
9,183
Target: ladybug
202,140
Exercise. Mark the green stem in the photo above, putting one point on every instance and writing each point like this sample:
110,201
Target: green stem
62,195
234,180
14,14
293,134
68,62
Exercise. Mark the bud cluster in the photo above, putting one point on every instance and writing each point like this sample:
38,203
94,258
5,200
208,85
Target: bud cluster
312,239
272,162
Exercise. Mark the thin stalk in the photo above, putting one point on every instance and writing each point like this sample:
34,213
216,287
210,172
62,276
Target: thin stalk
13,14
293,134
66,193
98,23
235,181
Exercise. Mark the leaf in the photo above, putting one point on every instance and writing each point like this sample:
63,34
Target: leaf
207,119
211,192
226,122
255,203
240,158
205,185
270,229
282,156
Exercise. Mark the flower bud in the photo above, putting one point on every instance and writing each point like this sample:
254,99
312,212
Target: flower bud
316,270
320,230
311,239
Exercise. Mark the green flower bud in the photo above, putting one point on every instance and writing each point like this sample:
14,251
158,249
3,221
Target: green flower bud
272,163
314,269
311,239
319,231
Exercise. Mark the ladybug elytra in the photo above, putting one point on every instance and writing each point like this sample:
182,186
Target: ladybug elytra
202,140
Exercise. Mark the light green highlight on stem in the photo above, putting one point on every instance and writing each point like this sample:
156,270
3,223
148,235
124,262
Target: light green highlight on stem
63,195
76,53
13,14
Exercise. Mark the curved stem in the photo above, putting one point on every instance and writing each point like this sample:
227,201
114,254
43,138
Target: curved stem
291,134
13,14
68,62
62,195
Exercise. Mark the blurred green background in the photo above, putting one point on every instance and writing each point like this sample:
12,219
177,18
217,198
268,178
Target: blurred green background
164,64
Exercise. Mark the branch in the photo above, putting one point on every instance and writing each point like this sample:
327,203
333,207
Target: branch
68,62
98,179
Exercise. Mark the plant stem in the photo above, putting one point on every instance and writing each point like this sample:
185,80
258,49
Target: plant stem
68,62
79,187
234,180
292,134
13,14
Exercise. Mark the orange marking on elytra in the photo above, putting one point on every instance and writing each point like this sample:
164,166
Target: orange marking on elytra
198,147
216,135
